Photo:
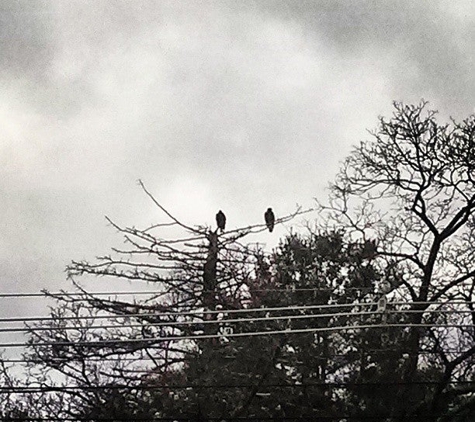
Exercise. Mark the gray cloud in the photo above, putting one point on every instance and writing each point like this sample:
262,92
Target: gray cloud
215,104
26,42
429,41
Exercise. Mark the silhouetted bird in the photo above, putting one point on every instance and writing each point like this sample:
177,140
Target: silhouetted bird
221,220
270,219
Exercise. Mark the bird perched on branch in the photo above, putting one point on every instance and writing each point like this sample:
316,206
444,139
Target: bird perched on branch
221,220
270,219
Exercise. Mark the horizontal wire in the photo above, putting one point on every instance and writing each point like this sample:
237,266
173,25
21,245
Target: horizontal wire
154,418
329,355
154,292
231,321
108,343
137,293
221,419
186,323
171,314
147,386
231,311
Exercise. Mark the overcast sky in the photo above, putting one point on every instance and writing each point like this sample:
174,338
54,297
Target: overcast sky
232,105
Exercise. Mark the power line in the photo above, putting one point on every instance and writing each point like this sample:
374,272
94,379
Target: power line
52,295
187,313
155,293
250,289
227,321
328,355
233,311
151,340
314,416
147,386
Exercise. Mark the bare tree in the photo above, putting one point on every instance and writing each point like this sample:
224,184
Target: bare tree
128,346
412,187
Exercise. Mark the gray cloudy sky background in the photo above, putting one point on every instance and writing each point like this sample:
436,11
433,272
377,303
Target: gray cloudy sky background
237,105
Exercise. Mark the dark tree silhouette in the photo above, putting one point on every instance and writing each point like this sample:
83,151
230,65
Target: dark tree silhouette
113,351
413,189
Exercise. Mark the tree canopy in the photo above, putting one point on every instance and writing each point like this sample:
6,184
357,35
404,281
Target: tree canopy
368,314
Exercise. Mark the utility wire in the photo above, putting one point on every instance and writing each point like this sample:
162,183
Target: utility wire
155,293
142,358
116,342
221,419
232,311
247,289
325,385
227,321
